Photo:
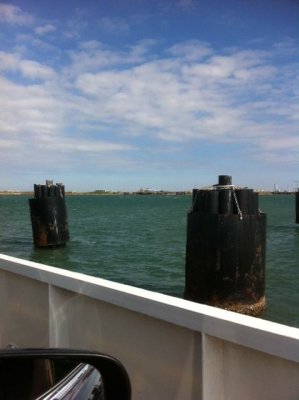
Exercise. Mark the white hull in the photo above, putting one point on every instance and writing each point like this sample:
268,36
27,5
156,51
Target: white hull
172,348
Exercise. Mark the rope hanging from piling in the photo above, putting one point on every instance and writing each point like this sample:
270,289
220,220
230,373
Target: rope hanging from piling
237,205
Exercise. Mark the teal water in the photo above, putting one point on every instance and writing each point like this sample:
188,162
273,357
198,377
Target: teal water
140,240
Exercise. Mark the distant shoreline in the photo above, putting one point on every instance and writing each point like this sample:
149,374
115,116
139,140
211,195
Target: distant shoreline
94,193
160,193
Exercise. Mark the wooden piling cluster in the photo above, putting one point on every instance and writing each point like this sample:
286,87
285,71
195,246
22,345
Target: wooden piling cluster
225,250
49,215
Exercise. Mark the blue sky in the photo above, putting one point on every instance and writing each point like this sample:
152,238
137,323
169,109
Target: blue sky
167,94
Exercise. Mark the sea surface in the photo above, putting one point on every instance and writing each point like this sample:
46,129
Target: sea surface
140,241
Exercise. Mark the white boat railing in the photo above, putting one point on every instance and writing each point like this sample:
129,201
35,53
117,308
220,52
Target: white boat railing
172,348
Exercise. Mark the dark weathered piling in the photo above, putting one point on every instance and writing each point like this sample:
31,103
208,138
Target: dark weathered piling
49,215
226,245
297,206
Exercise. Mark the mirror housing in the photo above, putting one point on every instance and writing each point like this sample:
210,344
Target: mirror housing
114,376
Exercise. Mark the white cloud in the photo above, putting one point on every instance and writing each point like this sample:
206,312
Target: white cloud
93,56
8,143
28,68
8,61
92,146
35,70
161,94
12,14
103,101
28,110
285,142
192,50
44,29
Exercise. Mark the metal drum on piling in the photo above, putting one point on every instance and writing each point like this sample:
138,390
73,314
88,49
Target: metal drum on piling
49,215
226,247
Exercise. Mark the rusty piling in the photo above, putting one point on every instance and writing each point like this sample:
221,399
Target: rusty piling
225,250
49,215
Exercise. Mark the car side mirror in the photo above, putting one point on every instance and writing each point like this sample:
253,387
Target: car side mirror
60,374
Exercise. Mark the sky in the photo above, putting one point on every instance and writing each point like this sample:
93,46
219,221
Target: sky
167,95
